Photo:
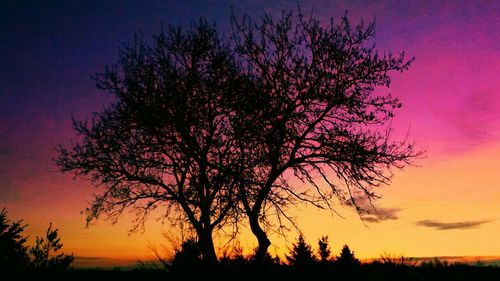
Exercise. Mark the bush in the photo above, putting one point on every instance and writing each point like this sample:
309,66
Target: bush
188,258
46,253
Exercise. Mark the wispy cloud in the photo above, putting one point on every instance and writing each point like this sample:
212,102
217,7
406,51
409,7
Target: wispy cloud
451,225
381,214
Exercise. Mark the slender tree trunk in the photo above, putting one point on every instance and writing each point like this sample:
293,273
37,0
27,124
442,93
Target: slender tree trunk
207,248
261,236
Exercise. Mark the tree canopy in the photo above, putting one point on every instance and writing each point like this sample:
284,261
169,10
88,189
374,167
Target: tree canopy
166,140
315,116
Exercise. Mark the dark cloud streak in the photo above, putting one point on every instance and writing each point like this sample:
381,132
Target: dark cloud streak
451,225
381,214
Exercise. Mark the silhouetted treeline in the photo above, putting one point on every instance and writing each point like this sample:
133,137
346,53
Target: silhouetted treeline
302,260
244,269
343,266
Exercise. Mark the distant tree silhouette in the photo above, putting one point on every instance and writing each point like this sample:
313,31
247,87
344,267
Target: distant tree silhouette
13,252
167,140
346,259
324,251
301,255
46,253
315,113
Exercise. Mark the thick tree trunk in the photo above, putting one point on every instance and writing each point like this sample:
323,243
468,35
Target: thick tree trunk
261,236
207,248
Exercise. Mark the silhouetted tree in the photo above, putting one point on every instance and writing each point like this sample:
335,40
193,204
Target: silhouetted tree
324,251
301,255
46,253
346,259
315,113
167,139
205,128
13,253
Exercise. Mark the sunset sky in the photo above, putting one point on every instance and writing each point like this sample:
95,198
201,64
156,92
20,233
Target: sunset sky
449,204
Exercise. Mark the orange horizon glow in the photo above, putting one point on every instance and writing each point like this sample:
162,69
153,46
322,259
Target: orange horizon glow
444,181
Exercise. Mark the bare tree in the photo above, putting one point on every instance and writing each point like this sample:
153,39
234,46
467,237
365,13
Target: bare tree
165,142
314,115
206,129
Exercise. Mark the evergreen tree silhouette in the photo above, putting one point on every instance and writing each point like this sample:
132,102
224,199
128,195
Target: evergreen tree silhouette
13,253
347,259
301,255
324,249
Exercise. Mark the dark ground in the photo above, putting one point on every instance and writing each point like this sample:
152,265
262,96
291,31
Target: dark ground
280,272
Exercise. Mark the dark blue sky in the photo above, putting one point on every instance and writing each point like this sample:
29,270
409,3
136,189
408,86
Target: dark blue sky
50,49
48,52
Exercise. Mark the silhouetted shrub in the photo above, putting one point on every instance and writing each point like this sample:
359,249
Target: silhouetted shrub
46,253
188,258
235,259
396,261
